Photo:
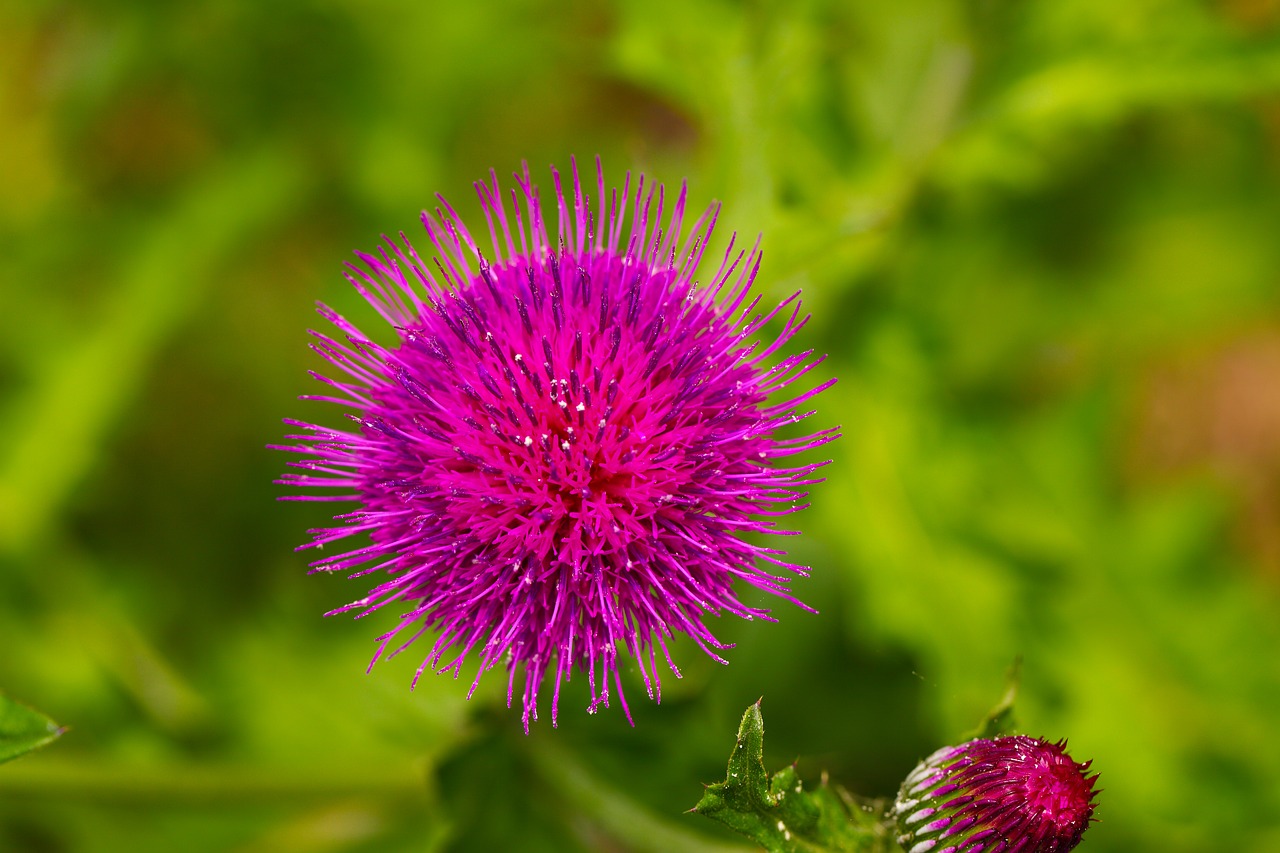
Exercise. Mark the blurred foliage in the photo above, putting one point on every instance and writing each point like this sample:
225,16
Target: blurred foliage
1038,239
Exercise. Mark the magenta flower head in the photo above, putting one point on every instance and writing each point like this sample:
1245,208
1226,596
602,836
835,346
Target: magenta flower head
1002,795
572,443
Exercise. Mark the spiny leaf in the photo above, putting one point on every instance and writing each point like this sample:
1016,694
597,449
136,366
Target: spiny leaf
22,729
779,814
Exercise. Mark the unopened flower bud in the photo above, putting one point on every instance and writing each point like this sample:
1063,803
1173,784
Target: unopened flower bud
1002,795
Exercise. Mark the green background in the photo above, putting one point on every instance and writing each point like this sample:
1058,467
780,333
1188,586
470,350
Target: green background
1039,240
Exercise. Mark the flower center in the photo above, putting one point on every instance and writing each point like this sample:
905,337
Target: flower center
1058,794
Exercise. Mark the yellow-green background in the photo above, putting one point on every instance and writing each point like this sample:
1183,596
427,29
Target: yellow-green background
1040,239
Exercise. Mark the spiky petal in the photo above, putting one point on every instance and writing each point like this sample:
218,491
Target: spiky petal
1002,795
563,450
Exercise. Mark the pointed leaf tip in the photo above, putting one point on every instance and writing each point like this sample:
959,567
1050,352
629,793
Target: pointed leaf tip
777,812
1000,720
23,729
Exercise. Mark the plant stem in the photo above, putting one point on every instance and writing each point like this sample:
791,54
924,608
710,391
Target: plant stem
196,785
616,813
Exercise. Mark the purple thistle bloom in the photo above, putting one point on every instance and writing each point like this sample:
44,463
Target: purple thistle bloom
568,444
1003,795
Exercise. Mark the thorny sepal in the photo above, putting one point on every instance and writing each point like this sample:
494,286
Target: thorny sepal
780,815
22,730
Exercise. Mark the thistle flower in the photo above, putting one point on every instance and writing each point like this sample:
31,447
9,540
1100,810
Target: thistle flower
1002,795
567,446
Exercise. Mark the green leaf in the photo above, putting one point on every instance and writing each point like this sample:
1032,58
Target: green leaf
1000,720
22,730
779,814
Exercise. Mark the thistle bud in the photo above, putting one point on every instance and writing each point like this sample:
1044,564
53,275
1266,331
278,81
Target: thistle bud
1002,795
